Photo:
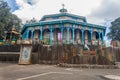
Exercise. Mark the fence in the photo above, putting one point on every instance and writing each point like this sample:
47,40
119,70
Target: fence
113,53
73,54
10,53
9,57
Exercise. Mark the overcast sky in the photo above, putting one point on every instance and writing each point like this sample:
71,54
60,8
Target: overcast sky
96,11
100,12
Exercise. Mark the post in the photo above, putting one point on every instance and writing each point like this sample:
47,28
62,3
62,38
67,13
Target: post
99,38
51,35
91,36
73,35
102,38
27,34
61,34
32,36
99,35
41,36
83,37
68,35
23,36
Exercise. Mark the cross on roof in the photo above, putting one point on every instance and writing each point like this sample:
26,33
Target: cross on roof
63,10
63,5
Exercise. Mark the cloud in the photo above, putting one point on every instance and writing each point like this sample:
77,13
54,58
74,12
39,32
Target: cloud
22,4
31,2
12,5
37,8
105,14
108,11
96,11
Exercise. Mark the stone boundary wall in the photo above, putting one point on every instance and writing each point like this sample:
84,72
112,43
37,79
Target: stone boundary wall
13,57
9,48
15,48
71,54
10,57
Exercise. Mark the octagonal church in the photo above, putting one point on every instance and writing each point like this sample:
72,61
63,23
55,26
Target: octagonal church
63,28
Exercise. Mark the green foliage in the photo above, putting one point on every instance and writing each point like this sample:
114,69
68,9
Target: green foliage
114,33
7,19
31,21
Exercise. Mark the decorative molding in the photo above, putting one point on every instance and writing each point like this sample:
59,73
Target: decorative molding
80,27
46,27
56,26
30,28
37,28
66,25
86,28
94,29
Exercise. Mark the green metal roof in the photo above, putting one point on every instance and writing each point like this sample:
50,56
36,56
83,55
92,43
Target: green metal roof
63,14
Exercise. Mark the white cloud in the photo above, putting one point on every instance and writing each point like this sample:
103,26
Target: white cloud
108,10
43,7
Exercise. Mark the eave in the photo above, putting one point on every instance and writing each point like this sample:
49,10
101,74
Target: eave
61,21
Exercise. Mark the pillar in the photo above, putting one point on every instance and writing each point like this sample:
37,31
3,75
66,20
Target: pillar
73,34
24,35
102,38
32,34
61,34
27,34
99,38
41,35
91,36
68,39
82,36
99,35
51,36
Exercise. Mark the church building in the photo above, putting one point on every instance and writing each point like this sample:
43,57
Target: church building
64,28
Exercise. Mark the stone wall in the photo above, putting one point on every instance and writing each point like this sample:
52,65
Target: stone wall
9,48
71,54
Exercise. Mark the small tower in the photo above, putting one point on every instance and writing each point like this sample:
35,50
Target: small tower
63,10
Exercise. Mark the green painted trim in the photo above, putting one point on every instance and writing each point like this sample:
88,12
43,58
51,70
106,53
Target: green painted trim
42,23
63,14
1,40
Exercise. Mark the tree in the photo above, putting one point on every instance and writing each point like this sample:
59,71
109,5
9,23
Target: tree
114,33
7,19
31,21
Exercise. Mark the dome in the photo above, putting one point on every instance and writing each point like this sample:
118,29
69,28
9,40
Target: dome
63,10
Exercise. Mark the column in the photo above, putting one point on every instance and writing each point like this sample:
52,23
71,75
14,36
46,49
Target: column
27,34
82,36
73,34
102,38
51,36
91,36
98,38
61,34
41,35
68,39
32,35
24,35
99,35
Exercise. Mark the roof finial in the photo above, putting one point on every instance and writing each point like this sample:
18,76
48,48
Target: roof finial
63,10
63,5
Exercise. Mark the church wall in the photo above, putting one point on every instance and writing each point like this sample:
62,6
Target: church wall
69,32
64,37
